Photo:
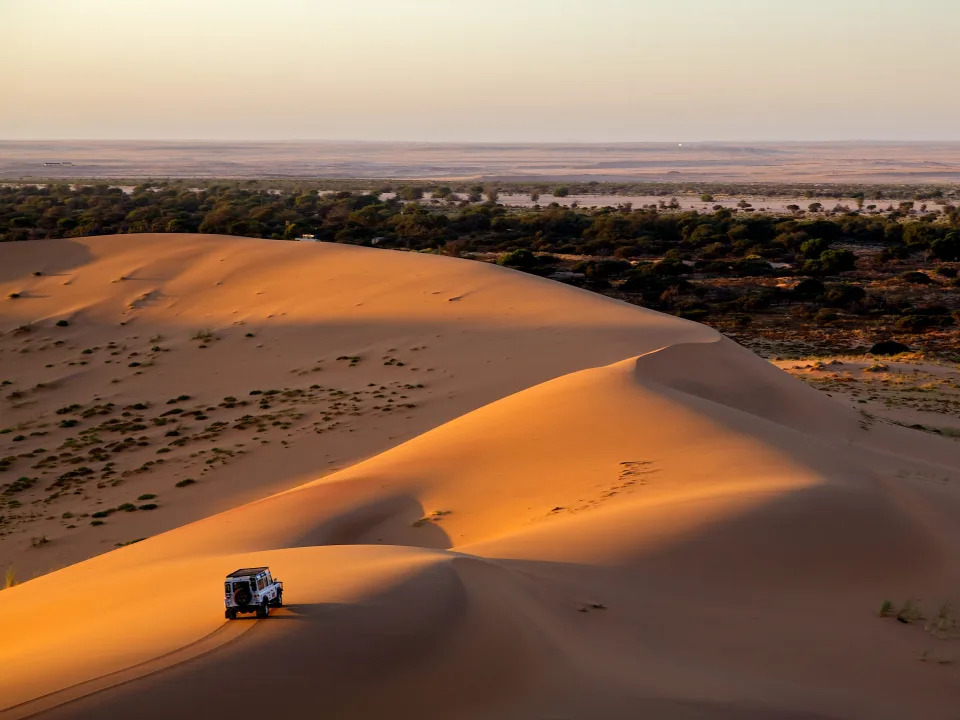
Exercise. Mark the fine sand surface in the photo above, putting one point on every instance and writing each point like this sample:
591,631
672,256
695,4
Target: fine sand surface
795,162
591,511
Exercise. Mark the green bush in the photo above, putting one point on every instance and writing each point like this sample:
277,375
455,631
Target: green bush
521,259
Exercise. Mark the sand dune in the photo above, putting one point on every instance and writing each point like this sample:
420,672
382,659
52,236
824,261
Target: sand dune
600,512
155,318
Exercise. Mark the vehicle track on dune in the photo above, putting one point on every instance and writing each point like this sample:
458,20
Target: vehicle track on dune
226,634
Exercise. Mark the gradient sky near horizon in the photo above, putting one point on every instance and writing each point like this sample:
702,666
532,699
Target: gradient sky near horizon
493,70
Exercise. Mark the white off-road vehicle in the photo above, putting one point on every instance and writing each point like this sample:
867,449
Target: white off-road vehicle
251,590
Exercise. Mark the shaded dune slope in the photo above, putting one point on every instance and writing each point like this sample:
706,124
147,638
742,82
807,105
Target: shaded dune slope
682,531
155,317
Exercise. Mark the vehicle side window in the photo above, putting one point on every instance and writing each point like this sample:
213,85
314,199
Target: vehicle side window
260,583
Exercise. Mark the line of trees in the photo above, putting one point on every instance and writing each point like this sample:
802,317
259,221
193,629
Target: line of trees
30,212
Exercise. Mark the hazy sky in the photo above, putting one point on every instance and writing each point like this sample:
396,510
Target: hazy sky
490,70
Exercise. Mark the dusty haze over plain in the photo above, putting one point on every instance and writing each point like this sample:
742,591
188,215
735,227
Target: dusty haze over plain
693,162
500,70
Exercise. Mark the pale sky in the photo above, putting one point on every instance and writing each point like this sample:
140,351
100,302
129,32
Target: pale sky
490,70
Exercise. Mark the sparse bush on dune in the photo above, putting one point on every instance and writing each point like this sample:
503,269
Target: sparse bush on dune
203,335
909,612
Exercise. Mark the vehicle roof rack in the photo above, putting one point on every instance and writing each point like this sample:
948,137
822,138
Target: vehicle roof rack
247,571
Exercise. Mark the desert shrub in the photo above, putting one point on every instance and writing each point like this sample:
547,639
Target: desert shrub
410,192
913,323
835,261
814,248
809,289
752,266
651,285
947,248
670,266
844,295
825,317
692,313
915,277
19,485
831,262
946,271
596,269
909,612
521,259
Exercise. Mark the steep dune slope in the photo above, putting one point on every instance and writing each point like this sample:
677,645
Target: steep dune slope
682,531
252,366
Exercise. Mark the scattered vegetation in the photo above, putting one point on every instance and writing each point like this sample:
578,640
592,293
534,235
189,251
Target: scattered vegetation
433,517
129,542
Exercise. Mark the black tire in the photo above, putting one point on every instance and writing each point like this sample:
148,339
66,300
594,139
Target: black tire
263,610
241,597
231,614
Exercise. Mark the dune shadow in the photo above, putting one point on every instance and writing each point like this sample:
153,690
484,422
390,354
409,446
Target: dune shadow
326,660
29,295
373,520
50,257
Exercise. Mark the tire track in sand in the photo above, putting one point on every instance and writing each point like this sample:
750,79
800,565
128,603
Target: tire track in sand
227,634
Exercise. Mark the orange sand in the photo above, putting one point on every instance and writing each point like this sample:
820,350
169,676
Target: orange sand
605,512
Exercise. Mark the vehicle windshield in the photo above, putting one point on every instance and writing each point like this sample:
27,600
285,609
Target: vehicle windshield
243,584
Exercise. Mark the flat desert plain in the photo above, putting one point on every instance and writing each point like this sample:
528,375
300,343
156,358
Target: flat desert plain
826,162
488,495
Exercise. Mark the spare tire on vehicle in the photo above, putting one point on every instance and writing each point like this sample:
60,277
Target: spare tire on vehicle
241,596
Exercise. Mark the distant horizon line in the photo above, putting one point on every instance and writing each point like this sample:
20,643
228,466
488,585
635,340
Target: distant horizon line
276,141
